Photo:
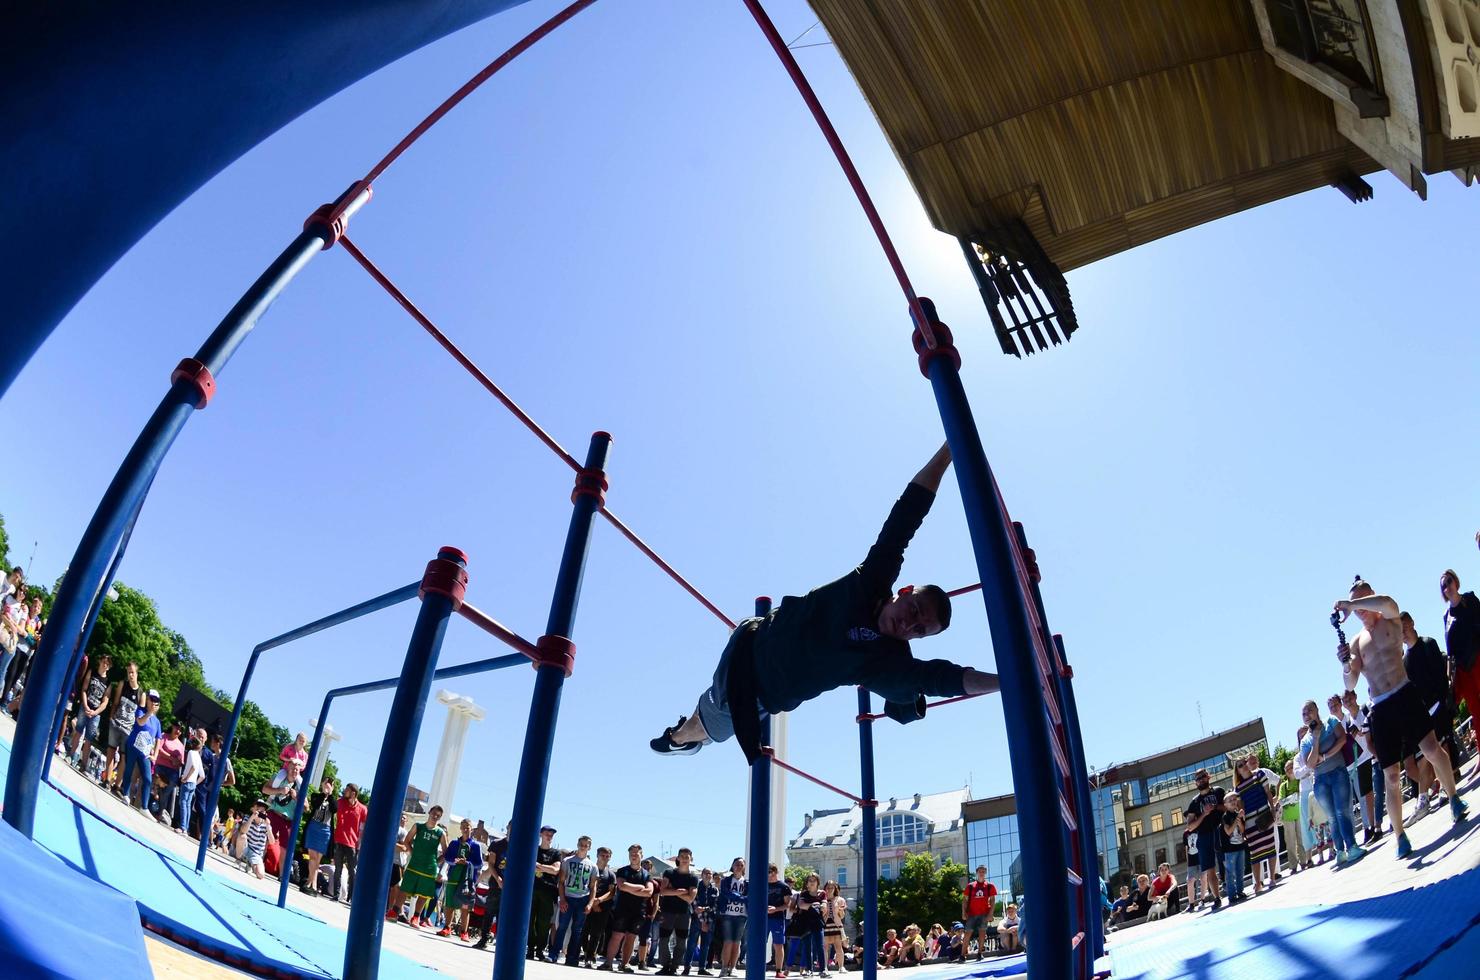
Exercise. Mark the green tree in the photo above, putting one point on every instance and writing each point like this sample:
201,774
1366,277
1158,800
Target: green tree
796,875
922,892
4,545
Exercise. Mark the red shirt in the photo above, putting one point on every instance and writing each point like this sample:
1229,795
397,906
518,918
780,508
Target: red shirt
351,818
981,896
1160,886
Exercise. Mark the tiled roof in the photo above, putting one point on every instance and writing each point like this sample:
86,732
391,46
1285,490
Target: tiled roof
836,827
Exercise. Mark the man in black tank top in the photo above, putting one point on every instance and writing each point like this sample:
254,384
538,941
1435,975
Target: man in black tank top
124,701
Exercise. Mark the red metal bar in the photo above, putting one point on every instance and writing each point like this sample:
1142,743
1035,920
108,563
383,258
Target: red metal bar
963,590
522,416
770,753
498,631
472,84
457,354
628,533
778,44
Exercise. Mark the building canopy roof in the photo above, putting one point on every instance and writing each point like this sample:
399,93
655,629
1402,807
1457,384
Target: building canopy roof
1097,124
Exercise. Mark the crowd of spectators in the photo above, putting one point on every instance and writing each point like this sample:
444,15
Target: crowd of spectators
21,624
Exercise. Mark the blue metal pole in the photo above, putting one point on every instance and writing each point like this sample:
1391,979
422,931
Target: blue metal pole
228,743
1089,879
101,541
59,709
285,873
759,856
868,839
1034,773
443,673
442,589
1084,803
544,710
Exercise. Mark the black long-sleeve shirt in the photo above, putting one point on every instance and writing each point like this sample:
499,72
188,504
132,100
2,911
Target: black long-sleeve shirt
1427,670
830,637
1462,631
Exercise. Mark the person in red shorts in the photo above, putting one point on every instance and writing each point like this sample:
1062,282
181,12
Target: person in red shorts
978,907
1462,642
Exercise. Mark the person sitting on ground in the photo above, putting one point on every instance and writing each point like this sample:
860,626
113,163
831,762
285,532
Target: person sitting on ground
853,631
959,941
889,952
1008,932
913,951
1119,911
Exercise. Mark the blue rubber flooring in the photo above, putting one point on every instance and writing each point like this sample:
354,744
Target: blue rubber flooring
206,911
1406,934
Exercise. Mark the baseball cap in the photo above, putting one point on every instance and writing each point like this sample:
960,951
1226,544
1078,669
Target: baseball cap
548,829
153,695
957,925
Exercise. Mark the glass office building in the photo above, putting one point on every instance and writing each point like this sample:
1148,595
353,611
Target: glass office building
1137,810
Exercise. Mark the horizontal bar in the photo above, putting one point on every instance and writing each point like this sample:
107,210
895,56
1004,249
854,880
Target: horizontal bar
770,753
1067,812
642,546
344,615
1074,879
497,630
963,590
1078,938
445,673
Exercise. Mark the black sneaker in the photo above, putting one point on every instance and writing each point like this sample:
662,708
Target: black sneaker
665,745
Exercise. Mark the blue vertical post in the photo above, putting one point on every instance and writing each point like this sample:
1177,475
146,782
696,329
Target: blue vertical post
191,386
868,839
1084,803
1034,773
1086,909
442,590
758,856
228,744
290,852
544,710
59,709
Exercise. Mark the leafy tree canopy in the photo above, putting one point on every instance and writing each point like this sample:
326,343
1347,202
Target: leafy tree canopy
922,892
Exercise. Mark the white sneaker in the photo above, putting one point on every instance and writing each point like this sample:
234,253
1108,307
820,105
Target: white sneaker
1421,810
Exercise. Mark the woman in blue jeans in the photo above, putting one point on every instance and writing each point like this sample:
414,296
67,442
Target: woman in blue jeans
1322,747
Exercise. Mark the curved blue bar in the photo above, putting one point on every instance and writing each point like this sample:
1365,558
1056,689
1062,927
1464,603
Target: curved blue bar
1033,767
59,710
373,879
335,619
539,736
100,546
461,670
116,113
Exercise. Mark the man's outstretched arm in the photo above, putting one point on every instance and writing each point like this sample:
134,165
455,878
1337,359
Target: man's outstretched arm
882,564
934,471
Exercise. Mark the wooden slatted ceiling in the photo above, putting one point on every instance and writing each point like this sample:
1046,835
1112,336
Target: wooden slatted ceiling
1101,123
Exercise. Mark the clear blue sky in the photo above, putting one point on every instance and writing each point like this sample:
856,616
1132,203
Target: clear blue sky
637,228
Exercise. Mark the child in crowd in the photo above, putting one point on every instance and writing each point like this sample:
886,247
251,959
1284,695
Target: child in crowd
258,831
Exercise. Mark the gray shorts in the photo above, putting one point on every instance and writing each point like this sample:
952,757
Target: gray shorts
117,737
980,923
714,703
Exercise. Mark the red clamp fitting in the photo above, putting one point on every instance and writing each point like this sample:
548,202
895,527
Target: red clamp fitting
872,803
590,483
1066,672
1031,560
445,577
334,218
200,379
555,651
944,345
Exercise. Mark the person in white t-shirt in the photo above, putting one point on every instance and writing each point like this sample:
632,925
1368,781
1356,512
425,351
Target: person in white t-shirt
191,775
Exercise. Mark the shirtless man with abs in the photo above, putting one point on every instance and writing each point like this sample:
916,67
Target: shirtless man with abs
1398,712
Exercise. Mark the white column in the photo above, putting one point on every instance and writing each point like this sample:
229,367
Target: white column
330,736
460,711
779,832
